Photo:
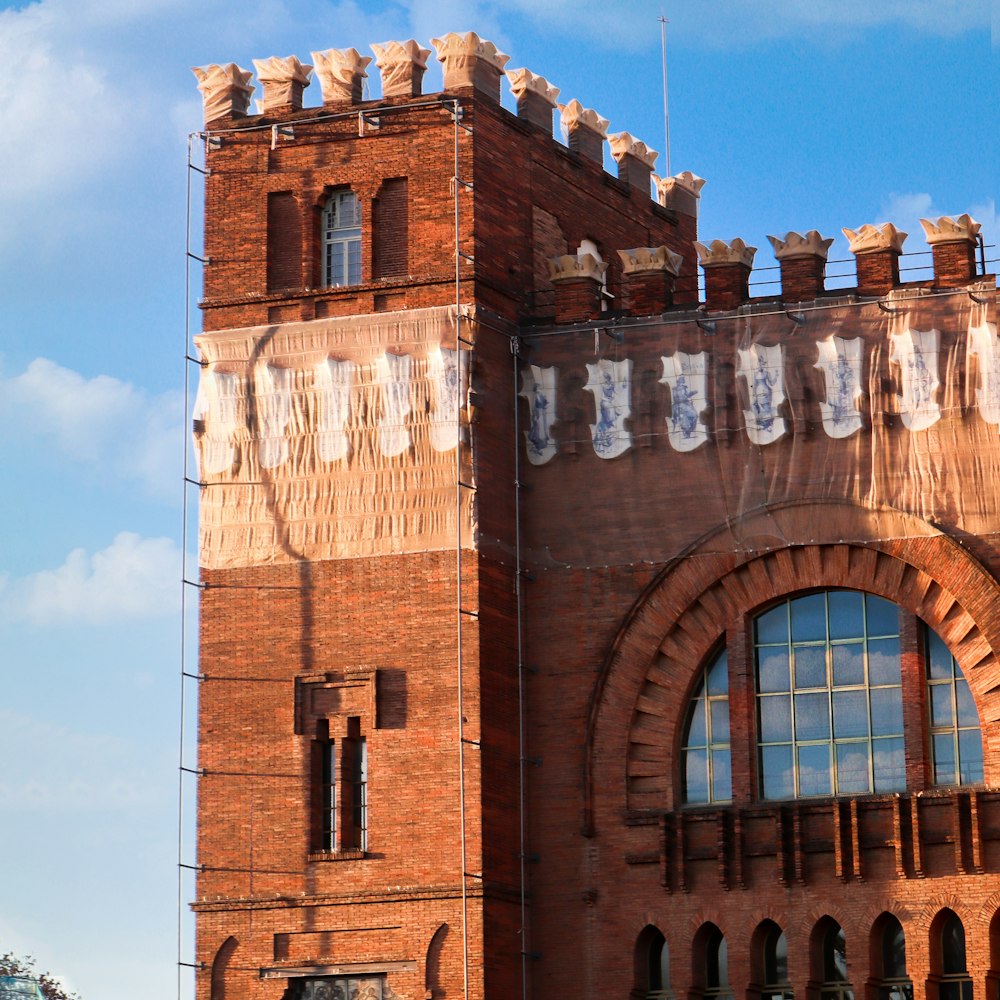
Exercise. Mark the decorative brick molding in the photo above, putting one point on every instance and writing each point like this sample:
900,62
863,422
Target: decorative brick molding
680,193
225,90
648,275
340,73
634,158
657,656
727,269
877,250
953,244
803,264
586,130
536,97
470,61
283,81
402,65
578,280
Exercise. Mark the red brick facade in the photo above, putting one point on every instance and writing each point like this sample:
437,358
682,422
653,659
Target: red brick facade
593,593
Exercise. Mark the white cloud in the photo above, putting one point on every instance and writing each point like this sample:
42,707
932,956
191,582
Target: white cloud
101,421
134,577
53,768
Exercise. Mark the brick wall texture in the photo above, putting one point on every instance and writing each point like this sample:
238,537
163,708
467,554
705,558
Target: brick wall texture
527,827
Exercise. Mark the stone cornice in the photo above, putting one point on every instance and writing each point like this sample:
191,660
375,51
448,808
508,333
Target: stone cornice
575,115
644,259
623,144
570,266
225,90
949,229
719,253
875,239
524,81
793,245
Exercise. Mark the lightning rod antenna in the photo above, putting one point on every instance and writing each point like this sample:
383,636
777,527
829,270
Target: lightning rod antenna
666,113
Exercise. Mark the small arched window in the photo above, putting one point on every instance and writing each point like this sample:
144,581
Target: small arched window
772,962
889,959
706,756
652,965
829,961
948,959
711,962
956,742
342,239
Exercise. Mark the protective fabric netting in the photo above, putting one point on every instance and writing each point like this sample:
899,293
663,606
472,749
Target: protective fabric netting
685,433
331,439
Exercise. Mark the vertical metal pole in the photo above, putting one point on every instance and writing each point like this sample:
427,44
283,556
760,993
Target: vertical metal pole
458,559
666,113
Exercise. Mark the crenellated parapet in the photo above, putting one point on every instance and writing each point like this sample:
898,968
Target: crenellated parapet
225,90
727,269
680,193
802,258
579,282
341,74
634,158
536,97
877,250
953,242
648,276
470,61
402,65
284,81
586,130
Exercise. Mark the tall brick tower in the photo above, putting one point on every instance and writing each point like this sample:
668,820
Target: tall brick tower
561,633
359,813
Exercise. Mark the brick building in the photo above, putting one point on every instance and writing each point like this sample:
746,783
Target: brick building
562,633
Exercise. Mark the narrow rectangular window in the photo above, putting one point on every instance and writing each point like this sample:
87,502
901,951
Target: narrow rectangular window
284,242
328,839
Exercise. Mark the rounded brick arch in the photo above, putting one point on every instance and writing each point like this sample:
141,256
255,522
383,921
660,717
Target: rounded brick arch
655,659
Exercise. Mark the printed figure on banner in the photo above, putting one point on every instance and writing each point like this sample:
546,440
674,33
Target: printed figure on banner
216,409
274,410
916,354
840,362
985,345
333,380
611,383
445,385
763,370
538,387
394,387
685,375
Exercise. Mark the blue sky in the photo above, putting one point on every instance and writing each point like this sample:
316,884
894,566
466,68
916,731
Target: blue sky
800,114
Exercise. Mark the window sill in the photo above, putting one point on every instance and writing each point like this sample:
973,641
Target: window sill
336,855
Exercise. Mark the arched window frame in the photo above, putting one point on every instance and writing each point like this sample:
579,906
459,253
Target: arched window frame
769,962
652,966
341,239
949,978
888,960
828,962
710,957
706,753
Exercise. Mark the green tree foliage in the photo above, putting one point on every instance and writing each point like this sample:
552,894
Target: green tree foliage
11,965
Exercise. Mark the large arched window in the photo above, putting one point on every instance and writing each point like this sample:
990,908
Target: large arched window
707,770
342,239
889,959
829,696
956,742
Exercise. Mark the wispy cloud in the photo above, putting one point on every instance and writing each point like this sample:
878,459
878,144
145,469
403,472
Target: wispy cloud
52,768
133,577
100,421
